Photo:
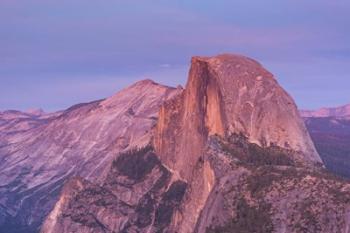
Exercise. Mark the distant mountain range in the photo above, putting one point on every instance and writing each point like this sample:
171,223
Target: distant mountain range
338,112
330,131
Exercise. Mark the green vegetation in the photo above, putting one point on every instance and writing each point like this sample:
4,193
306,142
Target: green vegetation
252,154
136,163
274,170
264,177
248,220
169,203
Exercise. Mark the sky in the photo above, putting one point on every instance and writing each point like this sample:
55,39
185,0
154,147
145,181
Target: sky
56,53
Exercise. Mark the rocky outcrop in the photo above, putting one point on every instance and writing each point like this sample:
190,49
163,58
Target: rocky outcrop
225,95
39,152
138,195
263,190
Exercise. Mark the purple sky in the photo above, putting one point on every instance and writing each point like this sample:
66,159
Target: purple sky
55,53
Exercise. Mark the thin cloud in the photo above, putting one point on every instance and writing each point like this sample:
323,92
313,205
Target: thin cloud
81,41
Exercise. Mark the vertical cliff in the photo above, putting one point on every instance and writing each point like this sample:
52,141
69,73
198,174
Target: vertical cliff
225,95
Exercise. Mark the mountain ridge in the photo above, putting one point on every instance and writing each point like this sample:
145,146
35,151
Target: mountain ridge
341,111
228,153
40,154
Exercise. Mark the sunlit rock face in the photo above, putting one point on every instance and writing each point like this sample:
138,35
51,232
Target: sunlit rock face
224,95
39,152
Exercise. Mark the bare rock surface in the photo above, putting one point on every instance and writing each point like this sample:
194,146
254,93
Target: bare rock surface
138,195
38,152
229,94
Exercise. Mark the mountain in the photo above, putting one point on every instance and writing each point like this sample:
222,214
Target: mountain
228,95
330,131
229,153
339,112
39,152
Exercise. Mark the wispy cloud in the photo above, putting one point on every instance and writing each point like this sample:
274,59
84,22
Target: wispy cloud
85,47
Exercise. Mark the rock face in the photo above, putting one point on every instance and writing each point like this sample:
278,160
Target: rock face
228,95
263,190
339,112
138,195
38,153
225,95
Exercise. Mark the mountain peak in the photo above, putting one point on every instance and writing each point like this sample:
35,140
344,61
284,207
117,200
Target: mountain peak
225,95
226,57
80,141
137,91
235,64
146,81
